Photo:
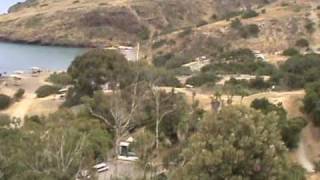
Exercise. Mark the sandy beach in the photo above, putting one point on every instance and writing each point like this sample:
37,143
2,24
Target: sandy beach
29,105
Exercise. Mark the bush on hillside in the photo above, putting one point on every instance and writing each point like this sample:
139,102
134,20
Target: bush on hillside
300,70
250,30
296,172
249,14
312,102
245,31
4,120
4,101
46,90
303,43
241,61
236,23
144,33
259,83
161,60
202,79
290,128
60,78
290,52
310,27
19,94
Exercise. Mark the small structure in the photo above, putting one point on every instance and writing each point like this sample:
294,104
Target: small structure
125,152
130,53
259,56
16,77
36,70
18,72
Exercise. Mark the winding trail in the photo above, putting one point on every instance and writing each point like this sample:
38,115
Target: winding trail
301,154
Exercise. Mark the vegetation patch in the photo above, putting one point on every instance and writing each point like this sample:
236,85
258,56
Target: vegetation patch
5,101
290,128
46,90
249,14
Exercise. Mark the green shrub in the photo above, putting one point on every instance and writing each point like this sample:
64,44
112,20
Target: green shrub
46,90
240,61
250,30
231,14
159,44
19,94
236,24
245,31
259,83
312,102
249,14
291,131
4,120
290,128
202,79
310,27
160,61
144,33
296,172
300,70
290,52
302,43
60,78
182,71
4,101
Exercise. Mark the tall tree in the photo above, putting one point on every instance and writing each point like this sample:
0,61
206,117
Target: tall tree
236,143
98,67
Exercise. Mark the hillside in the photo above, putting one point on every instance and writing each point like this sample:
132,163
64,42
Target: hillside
279,26
100,22
230,89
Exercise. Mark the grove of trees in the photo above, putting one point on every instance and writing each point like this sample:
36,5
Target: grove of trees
236,143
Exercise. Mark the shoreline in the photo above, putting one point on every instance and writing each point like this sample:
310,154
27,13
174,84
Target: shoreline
41,43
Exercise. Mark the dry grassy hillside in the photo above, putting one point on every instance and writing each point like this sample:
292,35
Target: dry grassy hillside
280,25
100,22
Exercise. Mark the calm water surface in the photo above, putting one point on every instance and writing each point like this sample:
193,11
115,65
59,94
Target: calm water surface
22,57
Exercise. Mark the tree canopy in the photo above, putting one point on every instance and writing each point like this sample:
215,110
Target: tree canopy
237,143
97,67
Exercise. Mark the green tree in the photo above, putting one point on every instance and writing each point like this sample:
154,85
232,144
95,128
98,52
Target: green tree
300,70
312,102
143,145
52,148
97,67
236,143
290,128
60,79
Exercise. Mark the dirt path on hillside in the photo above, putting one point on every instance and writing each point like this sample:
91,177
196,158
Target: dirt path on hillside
29,104
20,109
275,97
301,153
